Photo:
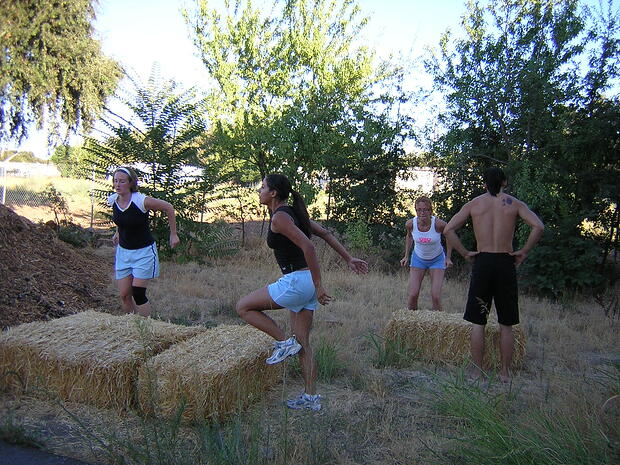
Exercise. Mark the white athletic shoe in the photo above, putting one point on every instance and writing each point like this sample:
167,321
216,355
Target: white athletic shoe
305,401
283,349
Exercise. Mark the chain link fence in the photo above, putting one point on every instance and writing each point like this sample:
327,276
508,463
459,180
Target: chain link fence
37,191
21,194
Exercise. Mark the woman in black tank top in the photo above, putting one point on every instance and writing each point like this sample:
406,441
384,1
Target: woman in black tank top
300,287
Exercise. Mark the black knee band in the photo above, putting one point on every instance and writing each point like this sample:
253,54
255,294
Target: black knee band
139,295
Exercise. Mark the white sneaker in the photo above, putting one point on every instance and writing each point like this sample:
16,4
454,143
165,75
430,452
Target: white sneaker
283,349
305,401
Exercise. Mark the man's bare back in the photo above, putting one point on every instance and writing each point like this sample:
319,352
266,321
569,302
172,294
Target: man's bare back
494,220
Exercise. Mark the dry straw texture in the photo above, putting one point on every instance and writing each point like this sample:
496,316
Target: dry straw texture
88,357
212,374
444,337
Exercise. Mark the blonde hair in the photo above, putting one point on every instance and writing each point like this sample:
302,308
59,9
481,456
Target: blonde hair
424,199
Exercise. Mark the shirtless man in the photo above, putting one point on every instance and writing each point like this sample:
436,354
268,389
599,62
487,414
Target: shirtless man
494,215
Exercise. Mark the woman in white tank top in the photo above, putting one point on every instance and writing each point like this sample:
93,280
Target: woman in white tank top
424,234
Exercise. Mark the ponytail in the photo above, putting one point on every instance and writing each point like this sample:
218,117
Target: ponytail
299,207
282,185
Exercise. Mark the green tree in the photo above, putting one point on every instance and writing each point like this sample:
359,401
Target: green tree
162,142
23,157
517,94
53,70
295,94
71,161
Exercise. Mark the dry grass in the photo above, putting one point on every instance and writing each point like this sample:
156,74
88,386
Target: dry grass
371,416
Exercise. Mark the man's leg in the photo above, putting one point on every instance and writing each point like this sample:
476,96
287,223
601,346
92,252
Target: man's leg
506,349
477,349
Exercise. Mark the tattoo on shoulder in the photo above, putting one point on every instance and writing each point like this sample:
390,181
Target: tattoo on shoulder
507,201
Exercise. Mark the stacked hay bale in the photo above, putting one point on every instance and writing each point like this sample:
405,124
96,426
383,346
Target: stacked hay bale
89,357
212,374
445,337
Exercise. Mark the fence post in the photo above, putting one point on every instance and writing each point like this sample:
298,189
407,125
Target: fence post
92,199
3,173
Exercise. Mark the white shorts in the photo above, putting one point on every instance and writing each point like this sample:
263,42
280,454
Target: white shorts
140,263
294,291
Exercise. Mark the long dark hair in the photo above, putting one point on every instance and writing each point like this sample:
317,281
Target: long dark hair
282,186
493,178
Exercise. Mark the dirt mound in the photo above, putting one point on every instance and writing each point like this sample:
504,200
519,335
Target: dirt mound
42,277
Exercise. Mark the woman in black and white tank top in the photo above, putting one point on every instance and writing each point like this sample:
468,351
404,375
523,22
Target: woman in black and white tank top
136,261
300,288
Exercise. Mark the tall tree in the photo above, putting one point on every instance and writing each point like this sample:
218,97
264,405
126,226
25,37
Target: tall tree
51,68
295,92
161,139
519,92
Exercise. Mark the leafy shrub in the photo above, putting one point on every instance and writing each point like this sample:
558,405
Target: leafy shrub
357,235
562,263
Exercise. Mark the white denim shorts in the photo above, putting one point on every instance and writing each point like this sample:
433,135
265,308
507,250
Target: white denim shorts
294,291
140,263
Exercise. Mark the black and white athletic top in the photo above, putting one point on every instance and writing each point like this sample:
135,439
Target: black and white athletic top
288,255
132,222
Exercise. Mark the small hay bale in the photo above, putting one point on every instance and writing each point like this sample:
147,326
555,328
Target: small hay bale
89,357
212,374
445,337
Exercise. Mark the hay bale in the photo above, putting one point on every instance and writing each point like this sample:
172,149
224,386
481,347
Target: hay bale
213,374
445,337
89,357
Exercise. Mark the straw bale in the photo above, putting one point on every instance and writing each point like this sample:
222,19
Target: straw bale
89,357
445,337
212,374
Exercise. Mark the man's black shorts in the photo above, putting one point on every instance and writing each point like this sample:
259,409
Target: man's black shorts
493,278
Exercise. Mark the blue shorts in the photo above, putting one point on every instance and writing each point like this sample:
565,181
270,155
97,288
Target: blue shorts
140,263
294,291
438,262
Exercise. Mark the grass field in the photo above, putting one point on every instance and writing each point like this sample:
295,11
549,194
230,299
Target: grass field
381,404
76,193
379,408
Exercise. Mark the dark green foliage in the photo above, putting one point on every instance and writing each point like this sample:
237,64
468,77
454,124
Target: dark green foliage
57,203
51,65
519,97
73,234
296,95
212,240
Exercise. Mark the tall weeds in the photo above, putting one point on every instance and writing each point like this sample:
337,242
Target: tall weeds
490,431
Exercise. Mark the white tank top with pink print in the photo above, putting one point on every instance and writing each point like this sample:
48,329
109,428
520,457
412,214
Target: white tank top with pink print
427,245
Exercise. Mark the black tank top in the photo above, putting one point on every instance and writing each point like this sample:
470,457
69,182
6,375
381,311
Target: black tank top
133,227
288,255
